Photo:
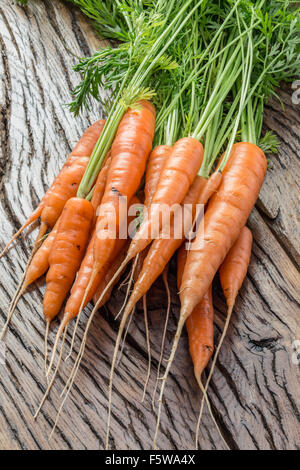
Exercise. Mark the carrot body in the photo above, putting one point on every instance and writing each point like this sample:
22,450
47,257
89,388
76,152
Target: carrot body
224,219
86,144
81,283
65,185
200,324
67,182
157,160
129,154
162,249
40,262
108,275
100,186
176,178
67,252
234,268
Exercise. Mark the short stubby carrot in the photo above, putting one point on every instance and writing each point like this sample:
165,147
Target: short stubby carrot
65,185
129,153
67,253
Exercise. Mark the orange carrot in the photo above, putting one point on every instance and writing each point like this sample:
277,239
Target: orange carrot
99,187
129,153
199,324
162,249
157,160
77,296
65,184
83,290
234,268
160,253
176,178
224,219
67,252
232,273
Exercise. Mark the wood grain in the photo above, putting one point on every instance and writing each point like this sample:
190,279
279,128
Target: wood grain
255,388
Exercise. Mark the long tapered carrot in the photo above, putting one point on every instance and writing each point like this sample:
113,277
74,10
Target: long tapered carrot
77,295
162,249
200,328
200,185
67,252
129,153
232,272
156,162
160,253
107,273
65,185
225,217
82,290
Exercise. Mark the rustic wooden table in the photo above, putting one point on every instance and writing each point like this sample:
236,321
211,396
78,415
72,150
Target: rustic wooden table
255,388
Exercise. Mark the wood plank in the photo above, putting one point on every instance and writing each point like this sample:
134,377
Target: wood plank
255,386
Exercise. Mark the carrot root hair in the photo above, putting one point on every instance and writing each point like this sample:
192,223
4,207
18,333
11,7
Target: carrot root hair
46,346
51,382
34,216
19,292
204,391
165,280
58,335
206,400
128,287
125,335
148,346
113,365
164,378
73,336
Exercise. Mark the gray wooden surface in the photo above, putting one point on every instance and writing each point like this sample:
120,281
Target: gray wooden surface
255,388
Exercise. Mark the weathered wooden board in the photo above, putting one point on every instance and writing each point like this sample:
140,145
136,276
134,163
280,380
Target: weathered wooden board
255,388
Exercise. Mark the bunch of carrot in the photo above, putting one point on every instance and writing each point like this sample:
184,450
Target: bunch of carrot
199,145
